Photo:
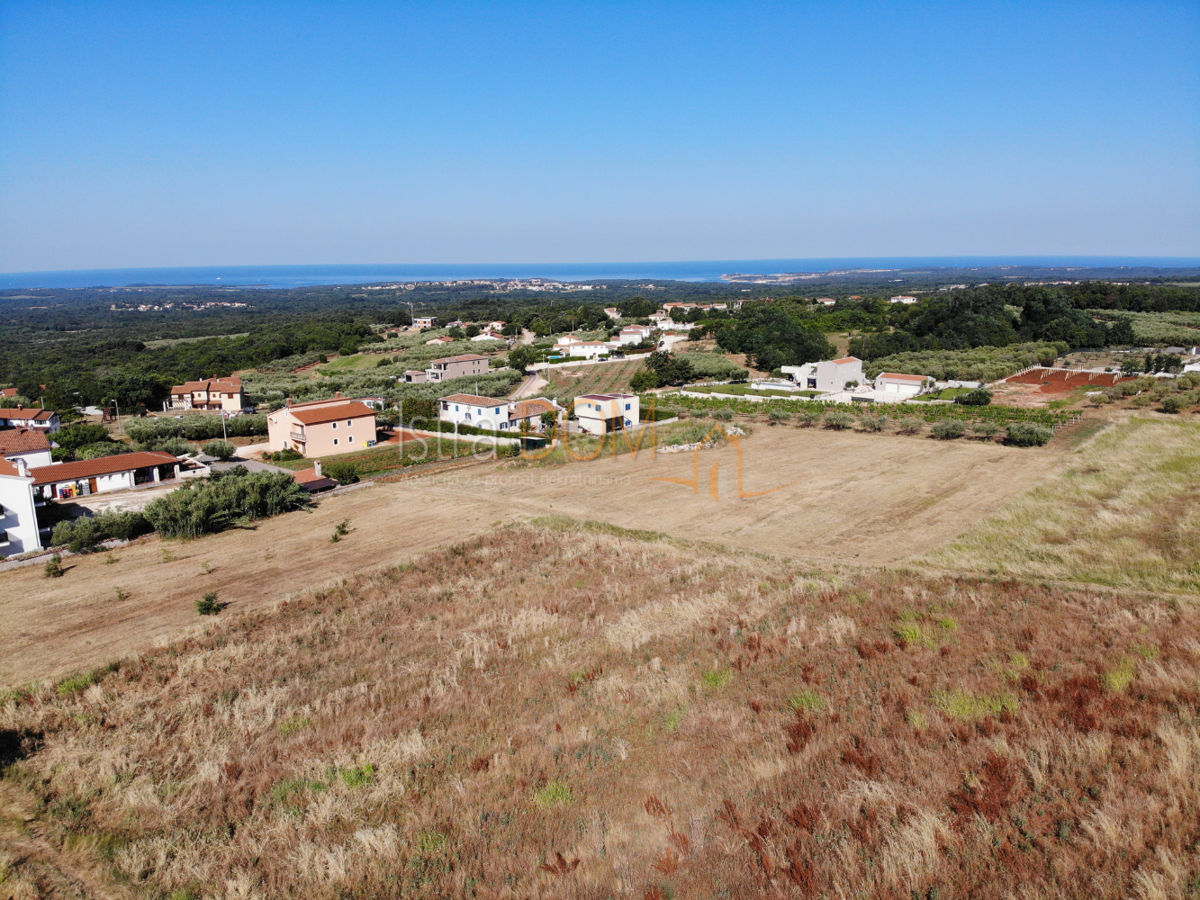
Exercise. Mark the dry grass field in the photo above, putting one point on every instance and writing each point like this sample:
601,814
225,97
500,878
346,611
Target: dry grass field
851,498
1123,510
556,710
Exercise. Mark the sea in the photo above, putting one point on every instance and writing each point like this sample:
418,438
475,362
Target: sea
702,270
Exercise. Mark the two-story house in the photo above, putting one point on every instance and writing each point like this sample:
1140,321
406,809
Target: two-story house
471,409
322,427
222,394
605,413
456,367
43,420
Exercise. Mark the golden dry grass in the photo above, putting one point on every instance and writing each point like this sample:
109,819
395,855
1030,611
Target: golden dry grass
1124,510
560,710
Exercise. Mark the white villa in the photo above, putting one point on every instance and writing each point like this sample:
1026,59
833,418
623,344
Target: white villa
605,413
826,376
18,509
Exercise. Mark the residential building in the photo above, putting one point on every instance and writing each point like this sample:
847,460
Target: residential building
62,481
424,322
379,404
566,341
829,375
605,413
18,510
826,301
529,413
496,326
590,349
896,383
8,393
471,409
221,394
27,444
44,420
444,339
633,334
415,376
612,312
489,336
457,367
322,427
903,299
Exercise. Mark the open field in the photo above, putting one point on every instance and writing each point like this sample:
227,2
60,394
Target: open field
1123,510
845,497
555,710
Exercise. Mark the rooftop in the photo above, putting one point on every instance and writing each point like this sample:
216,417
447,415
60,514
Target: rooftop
605,397
105,465
22,440
466,357
352,410
20,412
473,400
902,377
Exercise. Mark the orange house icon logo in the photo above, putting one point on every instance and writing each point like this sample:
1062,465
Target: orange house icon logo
714,481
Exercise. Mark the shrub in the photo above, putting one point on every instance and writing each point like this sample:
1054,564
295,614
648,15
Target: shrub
208,605
209,505
948,429
873,423
911,426
1176,403
284,455
1026,434
811,416
220,449
778,415
86,533
343,471
837,419
806,700
723,415
53,568
985,430
976,397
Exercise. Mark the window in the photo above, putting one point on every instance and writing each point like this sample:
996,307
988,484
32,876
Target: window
335,442
628,406
349,423
335,426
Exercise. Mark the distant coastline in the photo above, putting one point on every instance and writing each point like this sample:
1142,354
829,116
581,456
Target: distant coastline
697,271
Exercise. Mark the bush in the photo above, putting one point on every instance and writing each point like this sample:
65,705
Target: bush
1026,434
72,437
343,472
837,419
810,416
87,533
208,605
873,423
985,430
209,505
778,415
1176,403
911,426
220,449
53,568
284,455
976,397
948,429
723,415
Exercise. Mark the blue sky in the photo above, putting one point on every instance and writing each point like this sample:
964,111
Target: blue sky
191,133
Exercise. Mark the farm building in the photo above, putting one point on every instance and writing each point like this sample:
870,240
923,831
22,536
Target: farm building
895,383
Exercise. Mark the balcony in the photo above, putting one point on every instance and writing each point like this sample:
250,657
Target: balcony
298,436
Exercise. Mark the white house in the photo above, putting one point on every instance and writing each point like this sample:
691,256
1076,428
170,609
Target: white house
489,336
590,349
566,342
829,375
18,510
896,383
605,413
424,321
471,409
63,481
826,301
633,334
45,420
903,299
27,444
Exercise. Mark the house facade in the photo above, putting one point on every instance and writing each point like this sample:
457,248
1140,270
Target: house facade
44,420
213,394
457,367
828,375
605,413
62,481
424,322
895,383
633,334
322,427
471,409
526,415
590,349
27,444
907,301
18,510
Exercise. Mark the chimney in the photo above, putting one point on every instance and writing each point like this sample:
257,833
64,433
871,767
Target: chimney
22,467
338,395
317,469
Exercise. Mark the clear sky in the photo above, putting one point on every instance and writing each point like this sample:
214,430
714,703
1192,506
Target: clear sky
193,133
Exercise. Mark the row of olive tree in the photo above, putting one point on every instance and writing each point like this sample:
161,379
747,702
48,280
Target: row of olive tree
212,504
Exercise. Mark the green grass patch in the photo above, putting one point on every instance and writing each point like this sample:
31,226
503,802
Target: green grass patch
1120,676
554,794
717,678
291,725
807,701
967,707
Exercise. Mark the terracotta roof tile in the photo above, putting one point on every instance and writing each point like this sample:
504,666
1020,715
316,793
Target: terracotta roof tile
474,400
22,440
105,465
322,414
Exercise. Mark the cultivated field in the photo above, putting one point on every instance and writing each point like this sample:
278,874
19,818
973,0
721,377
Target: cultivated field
571,381
859,499
561,711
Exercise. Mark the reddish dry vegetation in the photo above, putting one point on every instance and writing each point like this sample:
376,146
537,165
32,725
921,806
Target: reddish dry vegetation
1063,381
570,712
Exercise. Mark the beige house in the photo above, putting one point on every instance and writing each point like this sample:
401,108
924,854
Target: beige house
605,413
457,367
322,427
221,394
